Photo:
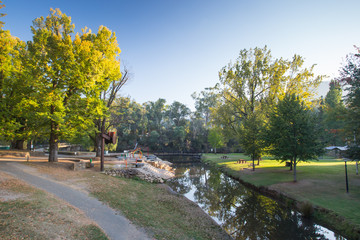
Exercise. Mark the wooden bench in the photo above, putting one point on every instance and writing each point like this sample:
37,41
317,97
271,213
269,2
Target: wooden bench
224,157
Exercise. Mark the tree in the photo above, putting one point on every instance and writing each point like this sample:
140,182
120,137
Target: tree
251,132
198,134
253,85
104,123
155,112
2,15
215,138
132,123
350,77
69,75
334,114
16,117
177,114
204,101
293,133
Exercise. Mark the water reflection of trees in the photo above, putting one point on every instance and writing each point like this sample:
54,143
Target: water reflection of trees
242,213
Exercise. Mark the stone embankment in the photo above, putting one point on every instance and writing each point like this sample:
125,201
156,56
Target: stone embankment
152,170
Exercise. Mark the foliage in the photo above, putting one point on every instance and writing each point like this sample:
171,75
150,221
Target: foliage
159,127
2,15
113,118
132,123
177,114
250,88
334,111
292,132
13,88
215,138
69,75
251,134
350,77
155,113
204,101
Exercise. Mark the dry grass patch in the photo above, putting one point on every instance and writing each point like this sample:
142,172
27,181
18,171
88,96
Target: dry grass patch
29,213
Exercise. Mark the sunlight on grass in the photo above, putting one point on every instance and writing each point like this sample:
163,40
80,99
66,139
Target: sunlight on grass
267,162
321,182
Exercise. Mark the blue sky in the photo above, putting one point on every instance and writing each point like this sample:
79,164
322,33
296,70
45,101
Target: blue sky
174,48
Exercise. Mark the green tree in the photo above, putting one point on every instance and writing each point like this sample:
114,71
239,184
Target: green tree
215,138
132,123
16,116
177,114
252,85
69,75
334,114
293,133
154,140
2,15
11,84
155,112
204,101
251,132
106,122
198,134
350,77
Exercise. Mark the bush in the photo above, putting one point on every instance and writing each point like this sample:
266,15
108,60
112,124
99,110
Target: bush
306,209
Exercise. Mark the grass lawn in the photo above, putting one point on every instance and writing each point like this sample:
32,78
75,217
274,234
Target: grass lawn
321,183
163,214
151,206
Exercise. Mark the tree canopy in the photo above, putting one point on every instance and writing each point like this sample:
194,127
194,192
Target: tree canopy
69,75
293,133
253,85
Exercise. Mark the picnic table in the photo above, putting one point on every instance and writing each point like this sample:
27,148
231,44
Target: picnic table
241,161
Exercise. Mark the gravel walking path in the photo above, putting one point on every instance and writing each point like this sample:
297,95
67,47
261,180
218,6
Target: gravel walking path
114,225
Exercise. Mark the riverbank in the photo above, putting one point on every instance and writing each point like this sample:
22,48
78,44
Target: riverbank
320,183
153,207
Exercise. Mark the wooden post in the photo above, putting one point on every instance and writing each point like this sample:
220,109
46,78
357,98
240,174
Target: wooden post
346,179
102,154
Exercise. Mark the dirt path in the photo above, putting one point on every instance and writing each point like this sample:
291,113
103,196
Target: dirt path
114,225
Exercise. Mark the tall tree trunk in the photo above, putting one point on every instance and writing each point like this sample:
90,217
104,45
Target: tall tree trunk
29,144
253,162
98,140
295,170
98,144
54,142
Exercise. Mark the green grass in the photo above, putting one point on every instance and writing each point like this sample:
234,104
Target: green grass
322,183
165,215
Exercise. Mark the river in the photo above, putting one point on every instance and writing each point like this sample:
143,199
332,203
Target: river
242,212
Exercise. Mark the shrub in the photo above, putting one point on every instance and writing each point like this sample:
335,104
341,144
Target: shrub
306,209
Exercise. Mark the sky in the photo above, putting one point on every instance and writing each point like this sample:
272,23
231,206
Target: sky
174,48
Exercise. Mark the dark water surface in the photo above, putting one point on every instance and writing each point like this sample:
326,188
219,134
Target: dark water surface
243,213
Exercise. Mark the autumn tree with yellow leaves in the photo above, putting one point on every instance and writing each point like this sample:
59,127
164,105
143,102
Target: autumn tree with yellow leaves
250,88
69,75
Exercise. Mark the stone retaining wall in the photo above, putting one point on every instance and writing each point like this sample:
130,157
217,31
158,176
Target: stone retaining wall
133,172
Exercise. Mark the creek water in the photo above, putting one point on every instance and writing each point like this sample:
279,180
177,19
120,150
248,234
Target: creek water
242,212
